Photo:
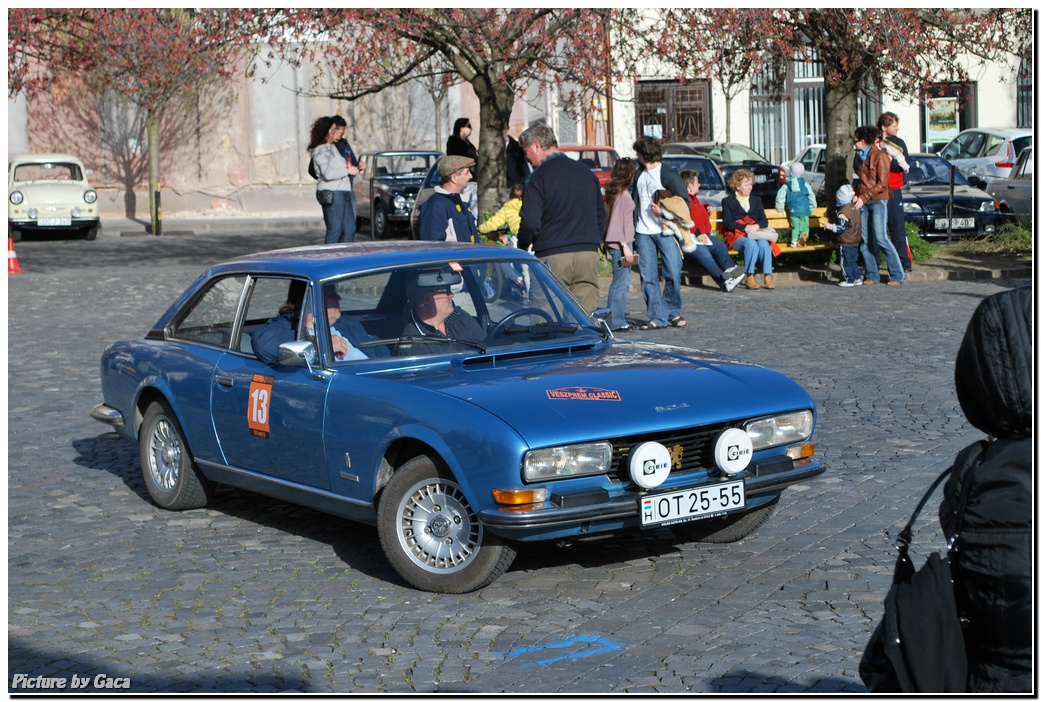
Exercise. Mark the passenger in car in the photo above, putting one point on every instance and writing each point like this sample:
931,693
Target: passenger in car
346,332
432,313
282,328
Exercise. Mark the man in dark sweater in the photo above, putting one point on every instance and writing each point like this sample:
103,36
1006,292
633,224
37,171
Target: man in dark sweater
563,215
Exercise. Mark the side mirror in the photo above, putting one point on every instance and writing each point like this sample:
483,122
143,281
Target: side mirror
297,353
915,175
600,317
977,182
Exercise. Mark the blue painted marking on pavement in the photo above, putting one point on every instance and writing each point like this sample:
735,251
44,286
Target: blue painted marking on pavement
604,646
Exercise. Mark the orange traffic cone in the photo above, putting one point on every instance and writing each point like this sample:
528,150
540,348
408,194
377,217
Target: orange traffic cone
12,258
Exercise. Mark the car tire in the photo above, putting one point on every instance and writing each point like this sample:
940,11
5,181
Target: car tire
169,471
379,221
430,534
91,233
726,529
14,234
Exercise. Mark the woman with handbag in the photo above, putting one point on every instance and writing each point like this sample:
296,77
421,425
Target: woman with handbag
745,228
335,174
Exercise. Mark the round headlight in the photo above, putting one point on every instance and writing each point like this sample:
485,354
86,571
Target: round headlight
16,198
90,196
399,202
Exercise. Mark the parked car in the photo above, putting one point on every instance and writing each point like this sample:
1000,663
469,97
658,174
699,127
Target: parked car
927,193
600,159
457,451
386,190
1015,194
987,153
48,193
713,189
767,178
814,159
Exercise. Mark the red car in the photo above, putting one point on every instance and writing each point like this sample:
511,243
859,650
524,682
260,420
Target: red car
600,159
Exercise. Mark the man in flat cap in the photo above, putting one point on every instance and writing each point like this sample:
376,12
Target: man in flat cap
445,216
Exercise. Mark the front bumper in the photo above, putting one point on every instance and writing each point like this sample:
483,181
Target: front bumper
34,226
108,415
596,511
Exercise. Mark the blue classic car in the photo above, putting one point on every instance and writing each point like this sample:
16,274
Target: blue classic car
454,395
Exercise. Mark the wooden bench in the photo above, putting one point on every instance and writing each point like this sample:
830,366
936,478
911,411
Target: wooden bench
778,220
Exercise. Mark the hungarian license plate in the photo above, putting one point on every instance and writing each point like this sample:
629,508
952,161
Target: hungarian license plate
759,179
54,221
956,223
688,505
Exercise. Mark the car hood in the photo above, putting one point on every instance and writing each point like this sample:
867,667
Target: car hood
938,191
622,389
402,181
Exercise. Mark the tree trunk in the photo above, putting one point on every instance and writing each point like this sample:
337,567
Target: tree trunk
840,121
496,105
152,128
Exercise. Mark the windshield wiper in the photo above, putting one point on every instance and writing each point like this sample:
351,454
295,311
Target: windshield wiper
424,339
543,328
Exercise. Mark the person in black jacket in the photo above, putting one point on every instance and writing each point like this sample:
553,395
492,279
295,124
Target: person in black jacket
562,216
992,561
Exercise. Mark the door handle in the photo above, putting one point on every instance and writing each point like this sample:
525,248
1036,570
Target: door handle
223,380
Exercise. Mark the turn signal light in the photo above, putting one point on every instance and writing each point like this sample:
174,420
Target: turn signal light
803,451
520,497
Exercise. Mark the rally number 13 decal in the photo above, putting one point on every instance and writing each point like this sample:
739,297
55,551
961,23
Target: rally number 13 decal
258,412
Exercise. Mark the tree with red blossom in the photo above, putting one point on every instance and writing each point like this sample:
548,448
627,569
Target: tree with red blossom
496,51
903,51
154,58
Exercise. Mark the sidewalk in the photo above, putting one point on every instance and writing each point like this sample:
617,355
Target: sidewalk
217,224
941,266
787,269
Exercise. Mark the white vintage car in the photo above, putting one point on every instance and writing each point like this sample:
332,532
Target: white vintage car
50,192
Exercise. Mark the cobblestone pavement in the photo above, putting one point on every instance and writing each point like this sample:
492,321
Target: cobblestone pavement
254,595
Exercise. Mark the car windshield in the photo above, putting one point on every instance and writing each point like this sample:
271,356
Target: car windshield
480,307
934,170
708,175
403,164
56,170
730,153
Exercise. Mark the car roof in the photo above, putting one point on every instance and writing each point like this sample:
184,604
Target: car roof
402,151
580,147
1000,131
42,158
323,260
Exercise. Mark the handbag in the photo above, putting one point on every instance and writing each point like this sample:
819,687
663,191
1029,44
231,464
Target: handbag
919,645
764,233
325,197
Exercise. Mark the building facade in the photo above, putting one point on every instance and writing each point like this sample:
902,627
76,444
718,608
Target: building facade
241,147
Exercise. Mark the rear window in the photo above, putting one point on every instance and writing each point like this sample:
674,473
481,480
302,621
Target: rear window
1020,143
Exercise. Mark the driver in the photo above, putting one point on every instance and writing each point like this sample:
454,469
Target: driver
432,312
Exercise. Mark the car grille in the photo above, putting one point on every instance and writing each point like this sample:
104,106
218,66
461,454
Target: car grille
693,447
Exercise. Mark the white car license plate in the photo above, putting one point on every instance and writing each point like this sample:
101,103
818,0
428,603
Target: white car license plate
759,179
54,221
956,223
696,503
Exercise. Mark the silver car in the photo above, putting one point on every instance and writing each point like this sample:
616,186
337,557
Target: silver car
987,153
1015,194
